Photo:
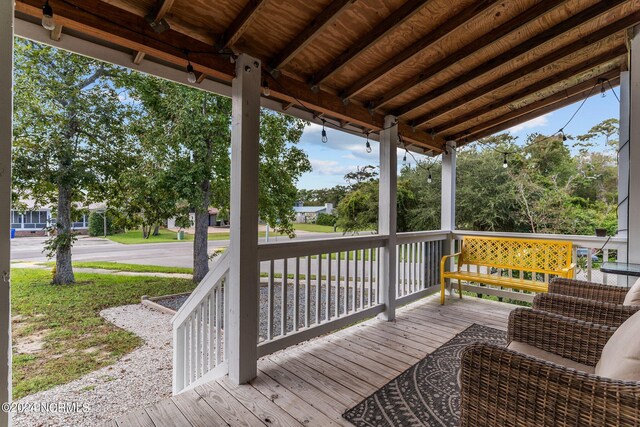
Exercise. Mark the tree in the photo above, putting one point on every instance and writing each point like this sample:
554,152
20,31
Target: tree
70,136
187,133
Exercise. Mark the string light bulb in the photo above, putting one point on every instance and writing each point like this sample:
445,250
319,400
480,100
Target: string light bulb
429,179
265,88
324,133
47,17
505,164
368,144
603,91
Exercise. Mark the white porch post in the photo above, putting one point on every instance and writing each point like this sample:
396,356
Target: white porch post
623,170
633,226
387,214
448,197
6,115
241,331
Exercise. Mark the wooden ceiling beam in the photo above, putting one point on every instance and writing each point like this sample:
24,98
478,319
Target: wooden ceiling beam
169,46
302,40
161,8
583,87
530,116
393,21
240,24
572,72
527,46
425,42
494,35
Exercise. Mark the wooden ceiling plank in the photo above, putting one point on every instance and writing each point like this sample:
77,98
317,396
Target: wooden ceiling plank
393,21
302,40
138,57
425,42
585,86
526,46
556,78
537,113
240,24
480,43
170,45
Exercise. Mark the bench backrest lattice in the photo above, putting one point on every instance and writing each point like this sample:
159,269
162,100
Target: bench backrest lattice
532,255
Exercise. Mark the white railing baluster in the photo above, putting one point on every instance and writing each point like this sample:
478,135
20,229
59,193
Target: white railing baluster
327,290
219,317
370,290
338,284
307,294
605,258
270,300
318,289
284,295
296,295
362,281
354,300
346,283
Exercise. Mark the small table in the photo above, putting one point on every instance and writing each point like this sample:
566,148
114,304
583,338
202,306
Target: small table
623,268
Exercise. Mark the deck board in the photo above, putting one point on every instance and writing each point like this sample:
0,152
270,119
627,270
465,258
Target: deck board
313,383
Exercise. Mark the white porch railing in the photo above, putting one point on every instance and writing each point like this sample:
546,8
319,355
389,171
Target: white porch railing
310,288
198,331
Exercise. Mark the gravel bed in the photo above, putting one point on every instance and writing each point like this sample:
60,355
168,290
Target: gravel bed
173,302
139,379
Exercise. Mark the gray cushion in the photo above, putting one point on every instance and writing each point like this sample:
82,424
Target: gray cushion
530,350
620,357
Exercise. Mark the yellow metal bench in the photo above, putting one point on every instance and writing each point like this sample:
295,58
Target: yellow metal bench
548,257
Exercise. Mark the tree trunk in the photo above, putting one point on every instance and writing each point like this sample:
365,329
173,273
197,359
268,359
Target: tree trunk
156,230
64,269
201,236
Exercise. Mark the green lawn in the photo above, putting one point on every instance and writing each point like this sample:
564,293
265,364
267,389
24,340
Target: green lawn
314,228
134,237
120,266
75,339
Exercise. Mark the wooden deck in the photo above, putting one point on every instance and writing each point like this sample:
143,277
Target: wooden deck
313,383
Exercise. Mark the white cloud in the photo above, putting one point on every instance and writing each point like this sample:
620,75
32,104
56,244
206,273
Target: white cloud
313,128
330,167
531,124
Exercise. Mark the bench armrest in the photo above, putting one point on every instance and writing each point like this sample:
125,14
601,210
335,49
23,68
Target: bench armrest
568,271
602,313
588,290
570,338
501,387
443,261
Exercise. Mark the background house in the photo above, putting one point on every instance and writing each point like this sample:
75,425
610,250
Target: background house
29,219
310,213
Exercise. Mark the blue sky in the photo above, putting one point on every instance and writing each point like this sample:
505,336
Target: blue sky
344,152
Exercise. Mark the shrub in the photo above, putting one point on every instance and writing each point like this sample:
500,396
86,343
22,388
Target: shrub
96,224
326,219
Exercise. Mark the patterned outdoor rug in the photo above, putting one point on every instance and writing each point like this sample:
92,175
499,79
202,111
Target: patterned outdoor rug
428,393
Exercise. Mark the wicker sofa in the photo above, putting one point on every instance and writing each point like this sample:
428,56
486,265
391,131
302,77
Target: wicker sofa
505,387
591,302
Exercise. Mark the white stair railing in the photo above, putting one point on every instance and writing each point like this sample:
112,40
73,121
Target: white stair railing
198,331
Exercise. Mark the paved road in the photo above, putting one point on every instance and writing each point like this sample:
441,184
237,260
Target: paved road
178,254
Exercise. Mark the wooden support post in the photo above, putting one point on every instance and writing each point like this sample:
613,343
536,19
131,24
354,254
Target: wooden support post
387,214
6,115
241,331
448,200
623,170
633,234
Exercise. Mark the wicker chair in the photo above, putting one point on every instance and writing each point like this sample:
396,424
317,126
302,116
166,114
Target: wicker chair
588,310
501,387
587,290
